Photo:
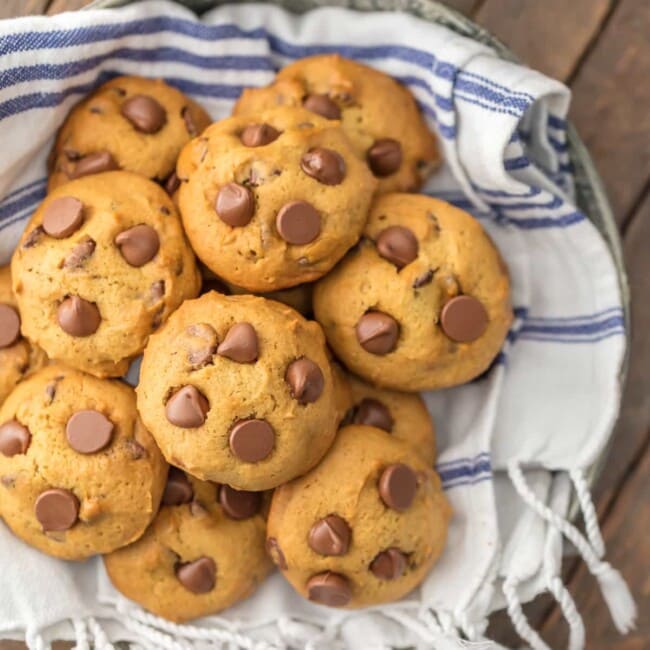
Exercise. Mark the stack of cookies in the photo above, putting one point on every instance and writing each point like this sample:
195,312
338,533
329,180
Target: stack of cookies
207,248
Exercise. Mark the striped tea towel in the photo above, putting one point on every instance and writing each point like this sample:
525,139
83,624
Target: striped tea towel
549,399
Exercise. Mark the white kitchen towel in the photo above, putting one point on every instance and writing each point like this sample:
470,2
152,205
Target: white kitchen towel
549,398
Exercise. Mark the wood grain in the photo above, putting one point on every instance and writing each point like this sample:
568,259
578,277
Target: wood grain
611,96
14,8
58,6
550,36
626,537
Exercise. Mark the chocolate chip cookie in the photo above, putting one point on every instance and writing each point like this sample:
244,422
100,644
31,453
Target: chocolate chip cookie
203,552
238,390
273,200
102,263
404,415
79,473
379,115
18,357
423,302
131,123
362,528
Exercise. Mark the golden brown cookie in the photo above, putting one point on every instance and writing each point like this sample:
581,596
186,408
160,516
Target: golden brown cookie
101,264
79,473
424,300
131,123
379,115
275,200
362,528
18,357
238,390
404,415
203,552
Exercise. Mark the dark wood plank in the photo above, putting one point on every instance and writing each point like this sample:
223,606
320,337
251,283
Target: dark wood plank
626,537
58,6
550,36
611,95
465,7
14,8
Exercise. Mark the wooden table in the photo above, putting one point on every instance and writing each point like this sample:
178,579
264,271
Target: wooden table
601,49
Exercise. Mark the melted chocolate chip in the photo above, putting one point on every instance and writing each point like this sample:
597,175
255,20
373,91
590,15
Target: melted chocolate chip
384,157
397,486
78,317
377,332
199,576
145,113
331,589
324,165
178,489
235,205
463,319
89,431
138,245
63,216
298,222
252,440
14,438
239,504
305,379
258,135
373,413
240,344
330,536
9,325
398,245
56,509
187,408
322,105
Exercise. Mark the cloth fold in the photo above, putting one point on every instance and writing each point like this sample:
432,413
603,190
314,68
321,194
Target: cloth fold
549,399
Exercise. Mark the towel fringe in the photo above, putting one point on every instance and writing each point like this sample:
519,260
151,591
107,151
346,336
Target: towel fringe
518,618
615,591
81,634
99,639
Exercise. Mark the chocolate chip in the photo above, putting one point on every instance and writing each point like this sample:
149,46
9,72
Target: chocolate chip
172,183
50,391
239,504
298,222
156,291
235,205
78,317
330,536
463,319
276,554
135,449
397,486
178,489
240,344
14,438
63,216
424,278
202,345
325,165
398,245
377,332
305,379
138,245
89,431
373,413
258,135
384,157
190,126
252,440
322,105
9,325
79,254
33,237
145,113
56,509
94,163
187,408
389,564
331,589
199,576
